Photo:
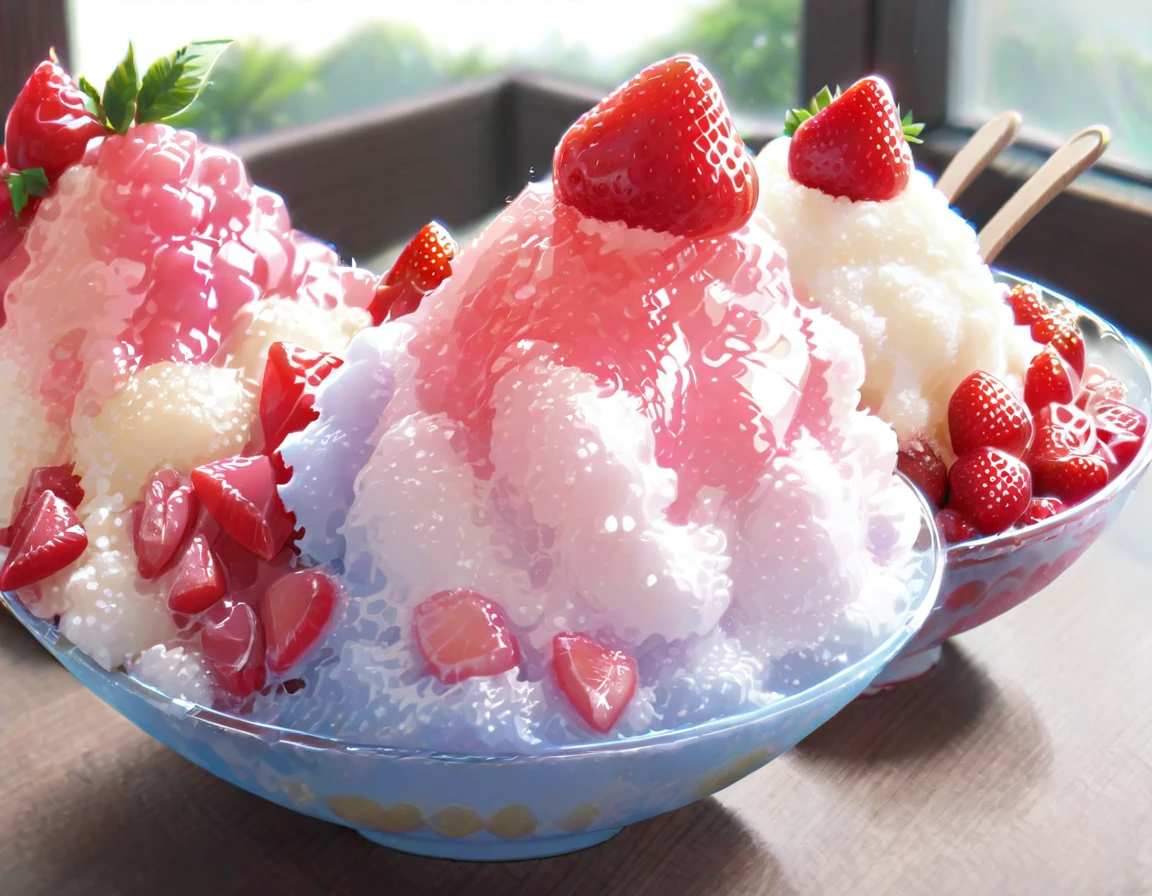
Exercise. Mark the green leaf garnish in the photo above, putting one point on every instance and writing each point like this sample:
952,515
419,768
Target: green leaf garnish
22,184
911,129
793,118
120,95
173,82
91,97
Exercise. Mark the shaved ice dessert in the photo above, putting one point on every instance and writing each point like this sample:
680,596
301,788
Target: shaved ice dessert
1000,421
600,473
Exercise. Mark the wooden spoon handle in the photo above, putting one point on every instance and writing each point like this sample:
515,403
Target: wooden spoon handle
1066,164
985,145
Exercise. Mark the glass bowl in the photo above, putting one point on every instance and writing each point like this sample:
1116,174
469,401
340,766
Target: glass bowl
989,576
501,807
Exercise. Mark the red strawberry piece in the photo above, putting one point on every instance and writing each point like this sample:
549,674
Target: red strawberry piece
1061,455
991,488
919,462
1098,384
1028,307
1120,429
855,146
661,153
955,527
233,644
162,521
295,610
461,634
240,494
291,376
49,127
1040,509
983,413
597,680
1047,381
50,538
60,479
199,581
424,264
1060,331
1072,478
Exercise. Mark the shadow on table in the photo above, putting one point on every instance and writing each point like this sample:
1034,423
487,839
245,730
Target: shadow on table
164,826
17,644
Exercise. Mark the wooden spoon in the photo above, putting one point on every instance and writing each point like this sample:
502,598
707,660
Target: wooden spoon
977,154
1066,164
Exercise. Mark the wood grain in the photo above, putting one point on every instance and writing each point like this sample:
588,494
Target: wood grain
1023,765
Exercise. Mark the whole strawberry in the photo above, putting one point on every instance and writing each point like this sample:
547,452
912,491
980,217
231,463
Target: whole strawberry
1062,456
920,462
984,413
49,125
1047,381
661,153
854,144
990,488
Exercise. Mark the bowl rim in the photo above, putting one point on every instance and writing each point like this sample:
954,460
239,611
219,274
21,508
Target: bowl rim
961,552
50,636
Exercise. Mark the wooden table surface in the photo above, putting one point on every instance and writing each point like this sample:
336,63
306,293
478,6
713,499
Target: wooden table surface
1022,765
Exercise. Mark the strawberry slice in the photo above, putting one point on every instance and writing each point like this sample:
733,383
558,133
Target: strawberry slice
49,125
424,264
955,527
661,153
240,494
50,538
597,680
161,521
199,581
854,144
60,479
295,611
983,413
991,488
1048,381
288,392
461,634
1059,330
1120,429
919,462
233,644
1027,305
1040,509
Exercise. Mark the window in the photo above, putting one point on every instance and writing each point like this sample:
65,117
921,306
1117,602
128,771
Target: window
1063,64
300,62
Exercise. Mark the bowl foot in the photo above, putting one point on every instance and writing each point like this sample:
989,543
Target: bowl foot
904,669
491,850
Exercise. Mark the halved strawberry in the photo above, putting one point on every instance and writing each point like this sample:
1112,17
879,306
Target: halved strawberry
660,152
1061,456
161,521
50,537
424,264
1120,429
199,581
1047,381
1040,509
955,527
598,681
60,479
241,495
1027,305
854,144
49,126
919,462
1098,384
983,413
991,488
295,610
461,634
291,377
233,644
1059,330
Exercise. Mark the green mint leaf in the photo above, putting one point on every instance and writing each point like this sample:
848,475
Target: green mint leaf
120,95
91,97
22,184
173,82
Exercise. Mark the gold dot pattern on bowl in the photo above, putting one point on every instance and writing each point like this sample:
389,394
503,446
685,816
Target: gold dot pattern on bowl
579,818
456,822
362,812
512,822
729,774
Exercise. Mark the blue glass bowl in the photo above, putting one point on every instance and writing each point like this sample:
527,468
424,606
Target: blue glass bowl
492,808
